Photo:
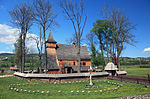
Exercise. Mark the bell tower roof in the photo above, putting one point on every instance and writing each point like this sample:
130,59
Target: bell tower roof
50,38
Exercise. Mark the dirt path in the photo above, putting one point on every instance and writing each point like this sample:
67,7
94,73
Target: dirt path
147,96
5,76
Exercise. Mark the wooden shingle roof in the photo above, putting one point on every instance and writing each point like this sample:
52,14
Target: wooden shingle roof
68,52
51,61
50,38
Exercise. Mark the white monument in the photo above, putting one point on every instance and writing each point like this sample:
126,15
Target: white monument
91,84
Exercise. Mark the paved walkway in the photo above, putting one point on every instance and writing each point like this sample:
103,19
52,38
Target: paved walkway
71,75
5,76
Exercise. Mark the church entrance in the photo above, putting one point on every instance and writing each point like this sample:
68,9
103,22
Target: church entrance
68,69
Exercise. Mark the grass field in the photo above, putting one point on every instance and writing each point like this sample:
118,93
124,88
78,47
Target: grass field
135,70
138,71
6,73
75,90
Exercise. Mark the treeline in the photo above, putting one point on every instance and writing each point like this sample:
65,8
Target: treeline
31,62
135,61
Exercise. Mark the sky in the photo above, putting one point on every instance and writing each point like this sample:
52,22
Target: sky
138,12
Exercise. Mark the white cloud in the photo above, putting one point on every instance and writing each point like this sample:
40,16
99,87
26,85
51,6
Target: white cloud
147,49
31,43
9,35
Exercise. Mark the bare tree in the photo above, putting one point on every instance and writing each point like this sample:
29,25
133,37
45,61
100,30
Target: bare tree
121,29
22,17
39,45
91,39
45,17
31,52
107,31
71,39
74,12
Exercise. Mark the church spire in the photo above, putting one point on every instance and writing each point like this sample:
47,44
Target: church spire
50,38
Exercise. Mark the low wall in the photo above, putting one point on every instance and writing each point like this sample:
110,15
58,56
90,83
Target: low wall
60,77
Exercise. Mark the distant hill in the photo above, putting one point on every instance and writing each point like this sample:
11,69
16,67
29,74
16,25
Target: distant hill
5,54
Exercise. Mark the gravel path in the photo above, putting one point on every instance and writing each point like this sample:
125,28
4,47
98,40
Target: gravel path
147,96
132,79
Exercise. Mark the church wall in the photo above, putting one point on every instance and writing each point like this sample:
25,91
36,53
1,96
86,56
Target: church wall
53,60
54,72
52,45
51,51
72,62
87,62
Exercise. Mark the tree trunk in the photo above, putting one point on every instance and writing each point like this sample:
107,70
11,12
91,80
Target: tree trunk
113,53
45,49
40,64
45,57
20,53
24,50
32,63
79,58
118,63
110,50
102,49
23,55
107,51
40,50
40,56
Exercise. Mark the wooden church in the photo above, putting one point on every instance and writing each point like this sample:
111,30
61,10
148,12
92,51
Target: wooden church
62,58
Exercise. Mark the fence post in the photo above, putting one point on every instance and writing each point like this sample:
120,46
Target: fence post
30,79
49,80
121,78
148,77
137,81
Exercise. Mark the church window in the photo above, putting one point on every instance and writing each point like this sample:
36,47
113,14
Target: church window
74,63
84,63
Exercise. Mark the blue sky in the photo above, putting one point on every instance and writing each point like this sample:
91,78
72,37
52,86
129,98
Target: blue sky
138,11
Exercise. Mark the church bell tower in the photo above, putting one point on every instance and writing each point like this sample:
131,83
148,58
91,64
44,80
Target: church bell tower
52,62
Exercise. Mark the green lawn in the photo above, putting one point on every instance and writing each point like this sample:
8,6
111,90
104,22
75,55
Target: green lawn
6,73
137,71
39,90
